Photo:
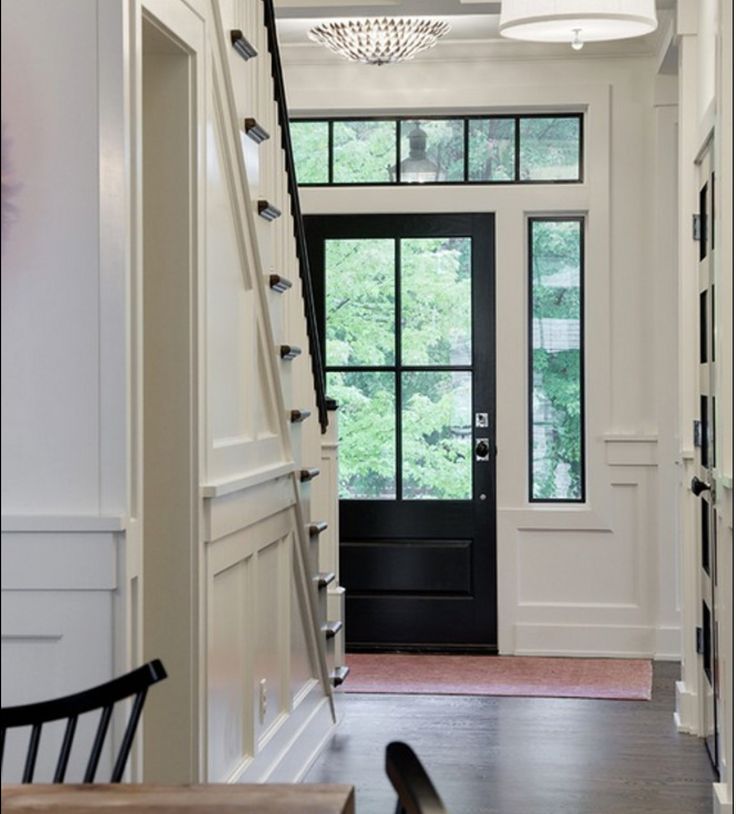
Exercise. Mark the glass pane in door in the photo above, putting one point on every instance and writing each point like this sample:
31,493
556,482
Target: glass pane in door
367,402
359,302
436,457
436,301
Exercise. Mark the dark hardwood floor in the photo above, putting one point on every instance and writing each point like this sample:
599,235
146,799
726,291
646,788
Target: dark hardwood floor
525,755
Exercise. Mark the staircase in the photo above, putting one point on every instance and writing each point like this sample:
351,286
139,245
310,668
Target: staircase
260,101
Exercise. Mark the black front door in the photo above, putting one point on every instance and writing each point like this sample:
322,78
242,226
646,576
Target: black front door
406,308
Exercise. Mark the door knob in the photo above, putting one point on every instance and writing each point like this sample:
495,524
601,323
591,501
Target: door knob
482,449
697,486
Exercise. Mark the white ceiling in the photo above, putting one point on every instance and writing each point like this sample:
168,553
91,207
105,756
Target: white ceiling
473,23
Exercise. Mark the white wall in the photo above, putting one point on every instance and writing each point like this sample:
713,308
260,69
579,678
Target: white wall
248,693
596,578
63,354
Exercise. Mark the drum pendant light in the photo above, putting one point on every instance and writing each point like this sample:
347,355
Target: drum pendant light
576,21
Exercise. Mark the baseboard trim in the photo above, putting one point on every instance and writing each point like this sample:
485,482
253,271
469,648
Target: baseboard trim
596,641
686,719
303,748
721,803
291,749
668,643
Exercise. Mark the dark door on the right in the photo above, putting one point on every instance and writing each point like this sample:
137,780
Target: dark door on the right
407,316
706,462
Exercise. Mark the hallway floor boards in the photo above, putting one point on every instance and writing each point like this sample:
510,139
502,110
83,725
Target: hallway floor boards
525,755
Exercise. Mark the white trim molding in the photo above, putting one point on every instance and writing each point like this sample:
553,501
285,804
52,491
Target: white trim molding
49,523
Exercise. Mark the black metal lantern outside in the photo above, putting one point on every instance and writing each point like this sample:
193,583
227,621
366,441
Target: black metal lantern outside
417,168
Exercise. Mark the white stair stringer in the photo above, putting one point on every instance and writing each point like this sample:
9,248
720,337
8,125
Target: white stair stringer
277,244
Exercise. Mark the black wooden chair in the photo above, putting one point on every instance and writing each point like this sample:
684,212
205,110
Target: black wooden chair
70,707
416,793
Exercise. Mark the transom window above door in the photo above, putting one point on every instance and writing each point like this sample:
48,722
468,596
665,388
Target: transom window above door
494,149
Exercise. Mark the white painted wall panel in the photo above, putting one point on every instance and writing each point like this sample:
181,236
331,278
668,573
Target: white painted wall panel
57,635
605,563
73,388
59,561
273,580
301,670
229,640
50,288
231,311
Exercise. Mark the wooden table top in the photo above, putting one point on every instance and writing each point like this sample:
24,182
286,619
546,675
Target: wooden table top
264,798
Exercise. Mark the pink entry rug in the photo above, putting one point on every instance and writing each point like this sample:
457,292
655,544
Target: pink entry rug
411,674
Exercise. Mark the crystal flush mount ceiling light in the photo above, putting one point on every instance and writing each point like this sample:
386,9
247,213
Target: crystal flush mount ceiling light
379,40
576,21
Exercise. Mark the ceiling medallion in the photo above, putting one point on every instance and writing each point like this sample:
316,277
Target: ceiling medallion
576,21
379,40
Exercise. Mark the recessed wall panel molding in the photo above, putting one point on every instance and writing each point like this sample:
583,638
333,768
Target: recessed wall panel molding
610,596
62,638
59,561
631,450
242,401
228,669
241,406
242,509
606,563
259,659
271,647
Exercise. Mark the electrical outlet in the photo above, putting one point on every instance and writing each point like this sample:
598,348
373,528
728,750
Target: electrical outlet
262,699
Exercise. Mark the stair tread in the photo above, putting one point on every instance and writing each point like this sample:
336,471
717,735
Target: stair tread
325,578
317,527
339,674
255,131
289,352
331,629
267,210
278,283
241,44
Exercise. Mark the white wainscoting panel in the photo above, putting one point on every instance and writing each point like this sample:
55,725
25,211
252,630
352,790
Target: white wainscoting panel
58,612
605,563
262,683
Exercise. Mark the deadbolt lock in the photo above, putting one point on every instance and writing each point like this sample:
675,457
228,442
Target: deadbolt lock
482,449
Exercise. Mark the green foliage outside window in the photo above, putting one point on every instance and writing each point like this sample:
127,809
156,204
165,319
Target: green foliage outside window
436,301
359,302
364,151
367,433
360,325
491,149
436,435
549,149
310,144
557,465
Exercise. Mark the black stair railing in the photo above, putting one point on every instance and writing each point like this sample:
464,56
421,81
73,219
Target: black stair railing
310,312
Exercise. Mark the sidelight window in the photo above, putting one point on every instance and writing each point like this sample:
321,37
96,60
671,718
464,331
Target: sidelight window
556,399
